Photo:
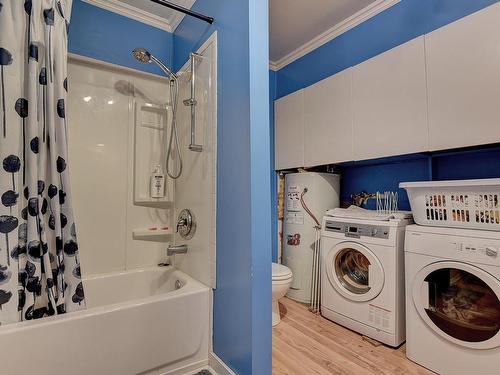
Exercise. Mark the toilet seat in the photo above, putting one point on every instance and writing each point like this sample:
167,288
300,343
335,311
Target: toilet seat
281,272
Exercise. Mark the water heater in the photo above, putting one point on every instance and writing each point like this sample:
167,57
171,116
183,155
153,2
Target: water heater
319,192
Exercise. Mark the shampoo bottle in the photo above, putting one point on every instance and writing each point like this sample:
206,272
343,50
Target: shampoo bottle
157,183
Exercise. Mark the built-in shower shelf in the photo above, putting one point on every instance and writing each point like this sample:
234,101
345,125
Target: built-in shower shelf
154,203
147,234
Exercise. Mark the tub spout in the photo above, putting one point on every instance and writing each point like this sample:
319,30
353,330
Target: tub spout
177,249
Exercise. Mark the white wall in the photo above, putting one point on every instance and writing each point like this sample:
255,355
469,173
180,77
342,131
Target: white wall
196,188
101,145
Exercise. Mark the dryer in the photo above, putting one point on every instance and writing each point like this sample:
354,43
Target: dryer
362,284
453,299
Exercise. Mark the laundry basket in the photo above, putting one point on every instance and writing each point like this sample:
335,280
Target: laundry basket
463,203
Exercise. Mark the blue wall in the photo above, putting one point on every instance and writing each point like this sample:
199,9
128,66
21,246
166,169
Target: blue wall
110,37
383,175
475,163
242,300
397,25
260,150
386,173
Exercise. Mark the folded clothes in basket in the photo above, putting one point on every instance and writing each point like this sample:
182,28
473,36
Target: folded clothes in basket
355,212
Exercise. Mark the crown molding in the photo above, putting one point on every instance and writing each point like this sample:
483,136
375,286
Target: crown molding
137,14
357,18
273,66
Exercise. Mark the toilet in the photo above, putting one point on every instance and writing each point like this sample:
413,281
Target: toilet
282,279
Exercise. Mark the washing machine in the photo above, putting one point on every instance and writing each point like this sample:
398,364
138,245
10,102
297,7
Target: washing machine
362,278
453,299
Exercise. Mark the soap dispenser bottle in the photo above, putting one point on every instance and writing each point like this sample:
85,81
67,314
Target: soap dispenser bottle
157,183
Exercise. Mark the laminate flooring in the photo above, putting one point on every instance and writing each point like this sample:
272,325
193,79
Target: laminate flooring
305,343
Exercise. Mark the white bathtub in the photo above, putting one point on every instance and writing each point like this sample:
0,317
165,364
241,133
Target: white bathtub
137,322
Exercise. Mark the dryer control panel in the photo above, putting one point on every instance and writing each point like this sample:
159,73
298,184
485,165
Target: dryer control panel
455,247
355,230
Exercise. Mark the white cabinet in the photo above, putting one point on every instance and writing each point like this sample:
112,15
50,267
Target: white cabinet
390,103
328,120
463,72
289,131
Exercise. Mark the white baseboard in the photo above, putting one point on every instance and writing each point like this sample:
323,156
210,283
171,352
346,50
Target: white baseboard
218,365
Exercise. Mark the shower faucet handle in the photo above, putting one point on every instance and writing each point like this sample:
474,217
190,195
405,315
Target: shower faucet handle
186,225
182,222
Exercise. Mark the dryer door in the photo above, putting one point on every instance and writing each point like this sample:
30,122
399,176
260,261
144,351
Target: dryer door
459,302
354,271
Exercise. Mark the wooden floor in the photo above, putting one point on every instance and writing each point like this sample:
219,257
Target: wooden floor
304,344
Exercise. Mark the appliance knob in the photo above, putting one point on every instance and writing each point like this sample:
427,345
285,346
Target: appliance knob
374,232
491,252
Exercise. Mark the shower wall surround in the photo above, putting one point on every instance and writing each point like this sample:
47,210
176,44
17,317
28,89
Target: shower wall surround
101,143
196,187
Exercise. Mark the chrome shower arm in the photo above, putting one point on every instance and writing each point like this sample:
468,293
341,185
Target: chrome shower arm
163,67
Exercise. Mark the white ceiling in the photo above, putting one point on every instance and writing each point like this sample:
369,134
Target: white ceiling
294,24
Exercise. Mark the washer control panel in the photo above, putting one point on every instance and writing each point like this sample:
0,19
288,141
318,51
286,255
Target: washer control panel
357,230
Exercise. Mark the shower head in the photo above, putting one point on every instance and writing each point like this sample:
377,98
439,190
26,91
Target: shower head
144,56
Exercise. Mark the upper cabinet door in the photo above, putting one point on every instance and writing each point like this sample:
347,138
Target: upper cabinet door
390,103
328,120
463,68
289,131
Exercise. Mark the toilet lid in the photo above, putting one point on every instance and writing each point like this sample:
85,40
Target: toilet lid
281,272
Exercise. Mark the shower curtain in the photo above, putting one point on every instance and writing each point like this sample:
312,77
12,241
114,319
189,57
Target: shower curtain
39,265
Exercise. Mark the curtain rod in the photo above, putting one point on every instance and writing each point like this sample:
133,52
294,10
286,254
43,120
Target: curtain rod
189,12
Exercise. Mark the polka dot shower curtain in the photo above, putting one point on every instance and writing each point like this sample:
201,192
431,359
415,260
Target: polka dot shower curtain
39,264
